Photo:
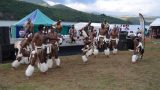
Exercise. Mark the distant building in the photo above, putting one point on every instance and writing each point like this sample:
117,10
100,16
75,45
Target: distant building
155,28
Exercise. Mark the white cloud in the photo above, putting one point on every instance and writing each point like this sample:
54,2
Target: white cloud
78,6
50,2
127,6
118,7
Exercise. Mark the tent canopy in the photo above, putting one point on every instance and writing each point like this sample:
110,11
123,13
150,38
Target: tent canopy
37,17
156,22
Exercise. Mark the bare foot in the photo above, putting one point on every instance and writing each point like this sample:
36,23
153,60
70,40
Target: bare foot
134,62
13,68
27,78
85,62
44,73
58,66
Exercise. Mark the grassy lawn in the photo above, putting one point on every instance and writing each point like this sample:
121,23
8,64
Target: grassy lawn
101,73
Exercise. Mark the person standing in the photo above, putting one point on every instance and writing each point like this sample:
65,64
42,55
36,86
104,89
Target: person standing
73,34
138,49
37,53
106,25
87,28
53,42
59,27
102,35
114,39
28,27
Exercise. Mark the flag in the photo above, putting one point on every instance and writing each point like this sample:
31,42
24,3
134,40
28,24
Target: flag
142,27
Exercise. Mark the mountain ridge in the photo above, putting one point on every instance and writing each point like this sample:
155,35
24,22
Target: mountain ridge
135,19
37,2
16,10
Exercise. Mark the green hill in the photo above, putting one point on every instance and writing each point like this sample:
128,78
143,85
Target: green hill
15,10
135,20
38,2
62,7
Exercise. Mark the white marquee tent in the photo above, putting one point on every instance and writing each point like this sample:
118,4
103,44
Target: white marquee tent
156,22
155,28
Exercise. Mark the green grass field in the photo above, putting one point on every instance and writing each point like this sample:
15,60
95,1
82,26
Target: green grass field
101,73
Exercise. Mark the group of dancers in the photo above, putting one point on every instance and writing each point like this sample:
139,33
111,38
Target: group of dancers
39,49
103,40
108,40
42,48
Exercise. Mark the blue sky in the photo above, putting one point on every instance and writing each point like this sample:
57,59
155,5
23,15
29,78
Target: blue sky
113,7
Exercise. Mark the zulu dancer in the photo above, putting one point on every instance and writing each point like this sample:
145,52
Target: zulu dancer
92,36
37,53
46,46
58,27
53,47
28,27
103,41
72,33
23,53
102,36
85,31
87,50
114,39
106,25
58,30
87,28
138,49
92,33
